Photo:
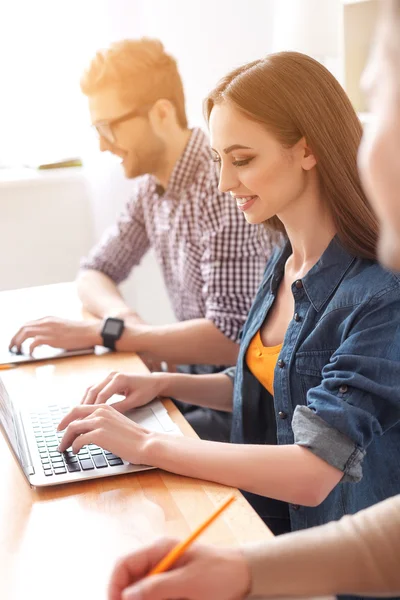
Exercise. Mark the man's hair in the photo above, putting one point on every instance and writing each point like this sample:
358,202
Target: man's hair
141,72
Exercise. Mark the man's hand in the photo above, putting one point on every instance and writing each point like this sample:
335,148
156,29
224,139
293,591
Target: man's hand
137,389
202,573
59,333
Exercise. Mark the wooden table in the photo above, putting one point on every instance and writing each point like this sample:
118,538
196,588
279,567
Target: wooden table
61,542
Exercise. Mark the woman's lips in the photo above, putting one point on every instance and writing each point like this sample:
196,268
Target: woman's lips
245,202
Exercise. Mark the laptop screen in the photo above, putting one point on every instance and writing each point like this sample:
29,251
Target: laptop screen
7,419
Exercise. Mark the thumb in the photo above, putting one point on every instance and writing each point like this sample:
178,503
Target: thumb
166,586
126,404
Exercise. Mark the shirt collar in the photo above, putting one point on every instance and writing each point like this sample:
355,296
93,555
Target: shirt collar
324,277
187,166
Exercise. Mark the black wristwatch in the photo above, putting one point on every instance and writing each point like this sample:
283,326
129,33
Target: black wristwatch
112,330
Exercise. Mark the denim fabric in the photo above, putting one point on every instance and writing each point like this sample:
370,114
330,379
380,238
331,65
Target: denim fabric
337,389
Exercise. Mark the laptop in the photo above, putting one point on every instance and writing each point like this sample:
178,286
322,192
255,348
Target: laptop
33,438
43,352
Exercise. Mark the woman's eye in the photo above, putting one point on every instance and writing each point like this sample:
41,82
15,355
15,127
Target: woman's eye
241,163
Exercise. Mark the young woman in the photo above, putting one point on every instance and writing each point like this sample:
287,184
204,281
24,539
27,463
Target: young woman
360,554
315,394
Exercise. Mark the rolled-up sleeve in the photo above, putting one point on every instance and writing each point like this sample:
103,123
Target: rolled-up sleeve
230,372
359,395
122,246
232,264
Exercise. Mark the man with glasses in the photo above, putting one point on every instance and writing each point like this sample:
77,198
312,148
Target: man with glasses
212,261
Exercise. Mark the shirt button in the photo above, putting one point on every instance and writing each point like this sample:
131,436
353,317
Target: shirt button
298,284
282,415
281,363
295,506
296,317
343,389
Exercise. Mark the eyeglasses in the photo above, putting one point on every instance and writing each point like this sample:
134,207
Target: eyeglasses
105,128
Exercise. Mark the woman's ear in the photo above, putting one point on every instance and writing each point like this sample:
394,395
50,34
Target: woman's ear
304,155
308,161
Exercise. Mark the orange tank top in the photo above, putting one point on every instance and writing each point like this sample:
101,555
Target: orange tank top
261,361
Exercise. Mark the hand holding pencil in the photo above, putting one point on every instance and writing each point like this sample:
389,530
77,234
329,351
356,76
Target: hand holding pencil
171,570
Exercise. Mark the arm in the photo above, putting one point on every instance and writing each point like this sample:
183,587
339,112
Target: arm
188,342
357,399
212,391
289,473
357,555
100,296
110,262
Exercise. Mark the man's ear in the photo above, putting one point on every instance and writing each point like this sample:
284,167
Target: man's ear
161,113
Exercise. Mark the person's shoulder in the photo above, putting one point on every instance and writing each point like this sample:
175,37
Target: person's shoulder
370,281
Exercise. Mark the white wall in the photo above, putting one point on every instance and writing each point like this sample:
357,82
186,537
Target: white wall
45,226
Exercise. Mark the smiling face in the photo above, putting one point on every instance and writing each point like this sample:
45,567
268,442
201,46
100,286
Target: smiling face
379,161
135,140
263,176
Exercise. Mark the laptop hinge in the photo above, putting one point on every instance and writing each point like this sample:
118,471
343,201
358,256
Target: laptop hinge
23,447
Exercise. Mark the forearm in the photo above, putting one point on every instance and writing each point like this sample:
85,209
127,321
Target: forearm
358,555
211,391
99,294
197,341
289,473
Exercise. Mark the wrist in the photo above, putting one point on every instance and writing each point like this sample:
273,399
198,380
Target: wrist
162,381
152,449
94,333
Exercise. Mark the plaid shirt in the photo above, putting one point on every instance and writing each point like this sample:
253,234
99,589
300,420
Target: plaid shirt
212,260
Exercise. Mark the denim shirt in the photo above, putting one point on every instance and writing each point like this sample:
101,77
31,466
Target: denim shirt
337,380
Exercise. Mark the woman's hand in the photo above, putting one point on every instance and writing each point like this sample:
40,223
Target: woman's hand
137,389
105,427
202,573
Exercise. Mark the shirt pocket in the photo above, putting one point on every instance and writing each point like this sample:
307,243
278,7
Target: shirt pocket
309,367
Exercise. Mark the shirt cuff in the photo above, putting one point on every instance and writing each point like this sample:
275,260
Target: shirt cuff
229,325
230,372
328,443
103,267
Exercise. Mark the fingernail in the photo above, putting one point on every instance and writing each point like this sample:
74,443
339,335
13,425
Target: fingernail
131,594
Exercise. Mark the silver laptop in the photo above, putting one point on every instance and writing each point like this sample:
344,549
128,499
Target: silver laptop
43,352
33,438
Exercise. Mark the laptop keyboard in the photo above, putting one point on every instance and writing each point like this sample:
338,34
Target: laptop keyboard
44,424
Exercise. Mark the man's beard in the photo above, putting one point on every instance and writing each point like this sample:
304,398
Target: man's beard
149,164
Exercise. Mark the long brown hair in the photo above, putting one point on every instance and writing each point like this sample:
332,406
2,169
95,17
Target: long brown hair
294,96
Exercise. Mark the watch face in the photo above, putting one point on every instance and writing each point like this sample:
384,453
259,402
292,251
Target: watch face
113,327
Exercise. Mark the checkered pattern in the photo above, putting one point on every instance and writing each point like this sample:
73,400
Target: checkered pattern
211,259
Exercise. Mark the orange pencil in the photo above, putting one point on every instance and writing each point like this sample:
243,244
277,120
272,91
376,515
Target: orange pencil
180,548
6,367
